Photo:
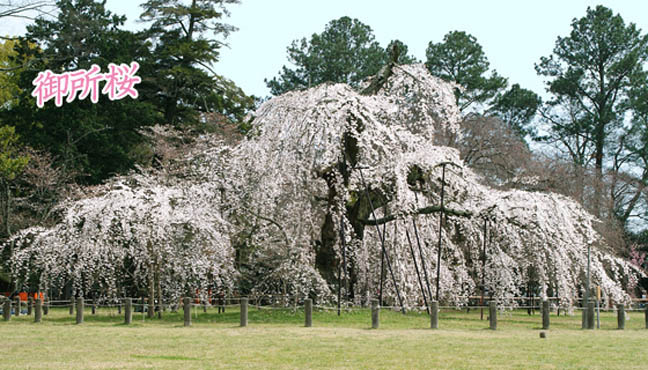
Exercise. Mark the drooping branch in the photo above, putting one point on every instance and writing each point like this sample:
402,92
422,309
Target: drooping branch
420,211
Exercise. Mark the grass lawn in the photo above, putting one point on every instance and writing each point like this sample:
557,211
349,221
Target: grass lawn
277,339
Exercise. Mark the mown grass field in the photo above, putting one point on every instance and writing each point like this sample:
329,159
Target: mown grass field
277,339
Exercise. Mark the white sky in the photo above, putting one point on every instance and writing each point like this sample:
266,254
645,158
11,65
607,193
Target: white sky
513,33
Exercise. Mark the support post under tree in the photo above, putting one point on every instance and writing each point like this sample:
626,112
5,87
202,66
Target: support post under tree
79,310
492,315
382,244
545,314
38,310
6,310
441,214
186,305
128,311
375,314
434,315
621,316
308,312
483,272
244,312
418,274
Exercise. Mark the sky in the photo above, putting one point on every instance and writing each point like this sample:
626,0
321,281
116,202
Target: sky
513,33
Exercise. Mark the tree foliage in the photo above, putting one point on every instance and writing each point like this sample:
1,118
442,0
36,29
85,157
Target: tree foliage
589,76
461,59
188,40
345,52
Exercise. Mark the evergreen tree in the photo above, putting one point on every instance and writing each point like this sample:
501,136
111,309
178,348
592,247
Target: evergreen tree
92,140
346,52
188,38
589,76
461,59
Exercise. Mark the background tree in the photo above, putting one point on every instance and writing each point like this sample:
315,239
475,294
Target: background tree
461,59
516,107
346,52
589,76
12,165
187,43
93,141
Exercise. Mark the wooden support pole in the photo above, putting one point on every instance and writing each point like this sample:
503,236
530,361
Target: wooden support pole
38,311
545,314
6,310
590,315
492,315
72,306
434,315
17,311
46,307
621,319
244,312
186,305
128,311
646,316
79,309
30,305
375,314
308,311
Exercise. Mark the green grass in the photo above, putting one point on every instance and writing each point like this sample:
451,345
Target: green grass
277,339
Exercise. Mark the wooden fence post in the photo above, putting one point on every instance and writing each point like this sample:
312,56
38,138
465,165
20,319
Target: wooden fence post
646,316
128,311
545,314
79,310
244,311
6,310
434,315
30,305
72,303
621,316
590,315
38,312
308,311
375,314
94,307
17,312
46,307
186,305
492,315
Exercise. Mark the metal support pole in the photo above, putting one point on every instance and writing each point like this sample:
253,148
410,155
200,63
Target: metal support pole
440,232
382,242
483,277
418,274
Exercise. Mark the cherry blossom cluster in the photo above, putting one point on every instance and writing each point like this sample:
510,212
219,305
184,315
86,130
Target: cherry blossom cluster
306,163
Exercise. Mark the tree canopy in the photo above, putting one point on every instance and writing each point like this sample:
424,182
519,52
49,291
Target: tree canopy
345,52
